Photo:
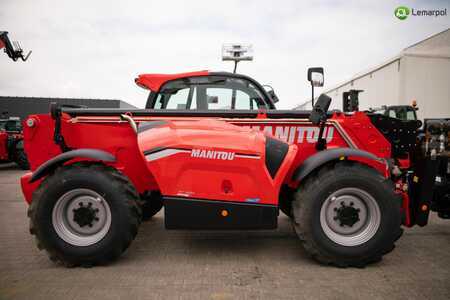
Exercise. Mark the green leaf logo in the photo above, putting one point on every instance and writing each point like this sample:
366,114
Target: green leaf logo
402,12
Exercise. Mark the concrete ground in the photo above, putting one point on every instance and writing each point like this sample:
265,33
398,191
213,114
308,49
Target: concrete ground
164,264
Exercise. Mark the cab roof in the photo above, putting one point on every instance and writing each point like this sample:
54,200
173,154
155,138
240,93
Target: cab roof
154,81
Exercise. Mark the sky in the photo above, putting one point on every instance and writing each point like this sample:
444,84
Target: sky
95,49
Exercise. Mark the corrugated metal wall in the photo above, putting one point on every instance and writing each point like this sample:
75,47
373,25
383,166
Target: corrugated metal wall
24,106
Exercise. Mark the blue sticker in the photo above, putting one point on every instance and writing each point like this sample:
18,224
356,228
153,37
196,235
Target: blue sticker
252,200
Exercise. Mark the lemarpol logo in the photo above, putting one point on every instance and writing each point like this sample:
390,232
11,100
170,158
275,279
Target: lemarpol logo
402,12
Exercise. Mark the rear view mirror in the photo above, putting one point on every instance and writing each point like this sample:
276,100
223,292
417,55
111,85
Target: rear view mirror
273,96
316,77
271,93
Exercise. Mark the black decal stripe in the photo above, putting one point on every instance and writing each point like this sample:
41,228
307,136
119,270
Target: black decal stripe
276,151
158,149
143,126
245,154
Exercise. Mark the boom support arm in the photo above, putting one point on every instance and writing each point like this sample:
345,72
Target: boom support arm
13,49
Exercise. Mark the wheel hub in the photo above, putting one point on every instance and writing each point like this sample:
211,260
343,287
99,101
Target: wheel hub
350,216
85,215
347,215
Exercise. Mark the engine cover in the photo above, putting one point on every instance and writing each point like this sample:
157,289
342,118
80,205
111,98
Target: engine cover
213,160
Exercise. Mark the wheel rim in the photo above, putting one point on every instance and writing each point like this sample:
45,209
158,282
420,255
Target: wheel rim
81,217
350,217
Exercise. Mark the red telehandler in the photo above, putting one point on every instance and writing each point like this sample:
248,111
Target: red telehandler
11,142
212,150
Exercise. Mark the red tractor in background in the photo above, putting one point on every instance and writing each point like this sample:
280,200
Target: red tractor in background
11,142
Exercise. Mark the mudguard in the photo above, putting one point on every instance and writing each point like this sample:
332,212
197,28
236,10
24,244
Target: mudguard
51,164
322,157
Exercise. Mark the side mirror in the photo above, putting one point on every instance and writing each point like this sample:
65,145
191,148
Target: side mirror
316,77
319,112
271,93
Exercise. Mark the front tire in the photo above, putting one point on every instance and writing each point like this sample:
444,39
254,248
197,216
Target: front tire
84,214
347,215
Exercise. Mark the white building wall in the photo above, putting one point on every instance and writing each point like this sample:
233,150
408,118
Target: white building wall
421,78
427,80
380,87
421,72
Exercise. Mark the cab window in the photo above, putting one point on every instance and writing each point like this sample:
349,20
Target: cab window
13,126
218,98
244,101
209,93
403,113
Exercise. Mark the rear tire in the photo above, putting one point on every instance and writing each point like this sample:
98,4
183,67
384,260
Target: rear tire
84,214
285,201
347,215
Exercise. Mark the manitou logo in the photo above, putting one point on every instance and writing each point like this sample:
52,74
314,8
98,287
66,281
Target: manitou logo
211,154
296,134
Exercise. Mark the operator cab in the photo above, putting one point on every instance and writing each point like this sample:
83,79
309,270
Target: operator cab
206,91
